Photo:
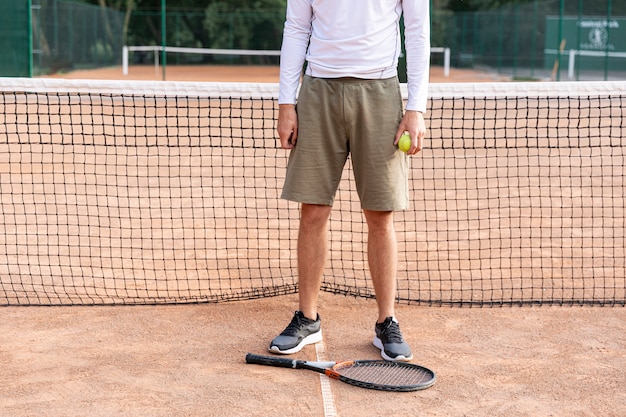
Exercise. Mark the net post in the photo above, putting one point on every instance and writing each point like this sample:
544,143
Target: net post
125,60
571,64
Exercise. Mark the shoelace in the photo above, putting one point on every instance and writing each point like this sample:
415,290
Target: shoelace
392,332
293,327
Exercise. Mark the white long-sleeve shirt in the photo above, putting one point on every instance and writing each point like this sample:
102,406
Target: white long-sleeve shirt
355,38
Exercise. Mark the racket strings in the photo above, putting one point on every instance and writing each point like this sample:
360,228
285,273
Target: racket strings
385,373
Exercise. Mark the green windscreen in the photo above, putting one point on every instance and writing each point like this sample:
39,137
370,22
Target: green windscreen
15,39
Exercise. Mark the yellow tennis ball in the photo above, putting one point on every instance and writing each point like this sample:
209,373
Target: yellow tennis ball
404,144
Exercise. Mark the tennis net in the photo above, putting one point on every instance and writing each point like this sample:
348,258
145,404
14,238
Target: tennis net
168,192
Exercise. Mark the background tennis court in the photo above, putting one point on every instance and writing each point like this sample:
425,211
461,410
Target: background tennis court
188,360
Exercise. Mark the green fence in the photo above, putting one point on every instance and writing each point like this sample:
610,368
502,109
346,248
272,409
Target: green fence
212,30
70,35
556,39
15,39
538,39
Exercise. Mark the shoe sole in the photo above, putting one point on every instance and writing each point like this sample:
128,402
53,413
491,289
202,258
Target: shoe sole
400,358
309,340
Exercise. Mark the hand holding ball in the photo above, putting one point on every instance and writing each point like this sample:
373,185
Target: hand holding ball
404,143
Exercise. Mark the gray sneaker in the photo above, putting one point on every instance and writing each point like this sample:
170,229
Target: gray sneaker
300,332
390,341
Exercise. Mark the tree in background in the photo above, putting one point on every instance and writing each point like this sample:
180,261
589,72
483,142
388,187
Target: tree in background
257,24
205,23
242,24
249,24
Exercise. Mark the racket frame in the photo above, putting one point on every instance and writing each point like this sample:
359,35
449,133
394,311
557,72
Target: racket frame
330,369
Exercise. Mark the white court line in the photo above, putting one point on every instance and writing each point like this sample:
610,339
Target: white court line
327,392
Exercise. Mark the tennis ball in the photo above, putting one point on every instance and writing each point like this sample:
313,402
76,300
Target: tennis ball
404,144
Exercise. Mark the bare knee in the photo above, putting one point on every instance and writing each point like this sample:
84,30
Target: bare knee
379,220
314,216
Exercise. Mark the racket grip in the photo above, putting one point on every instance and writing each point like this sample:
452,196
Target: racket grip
270,361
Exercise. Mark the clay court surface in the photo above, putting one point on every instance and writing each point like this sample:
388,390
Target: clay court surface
188,360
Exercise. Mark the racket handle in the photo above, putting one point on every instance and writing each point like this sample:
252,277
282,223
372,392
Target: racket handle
270,361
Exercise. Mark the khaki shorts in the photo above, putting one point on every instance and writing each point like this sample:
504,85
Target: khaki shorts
348,116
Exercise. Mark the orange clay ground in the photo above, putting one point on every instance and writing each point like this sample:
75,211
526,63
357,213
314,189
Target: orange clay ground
188,360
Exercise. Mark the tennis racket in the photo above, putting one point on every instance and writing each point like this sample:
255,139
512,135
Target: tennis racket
372,374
